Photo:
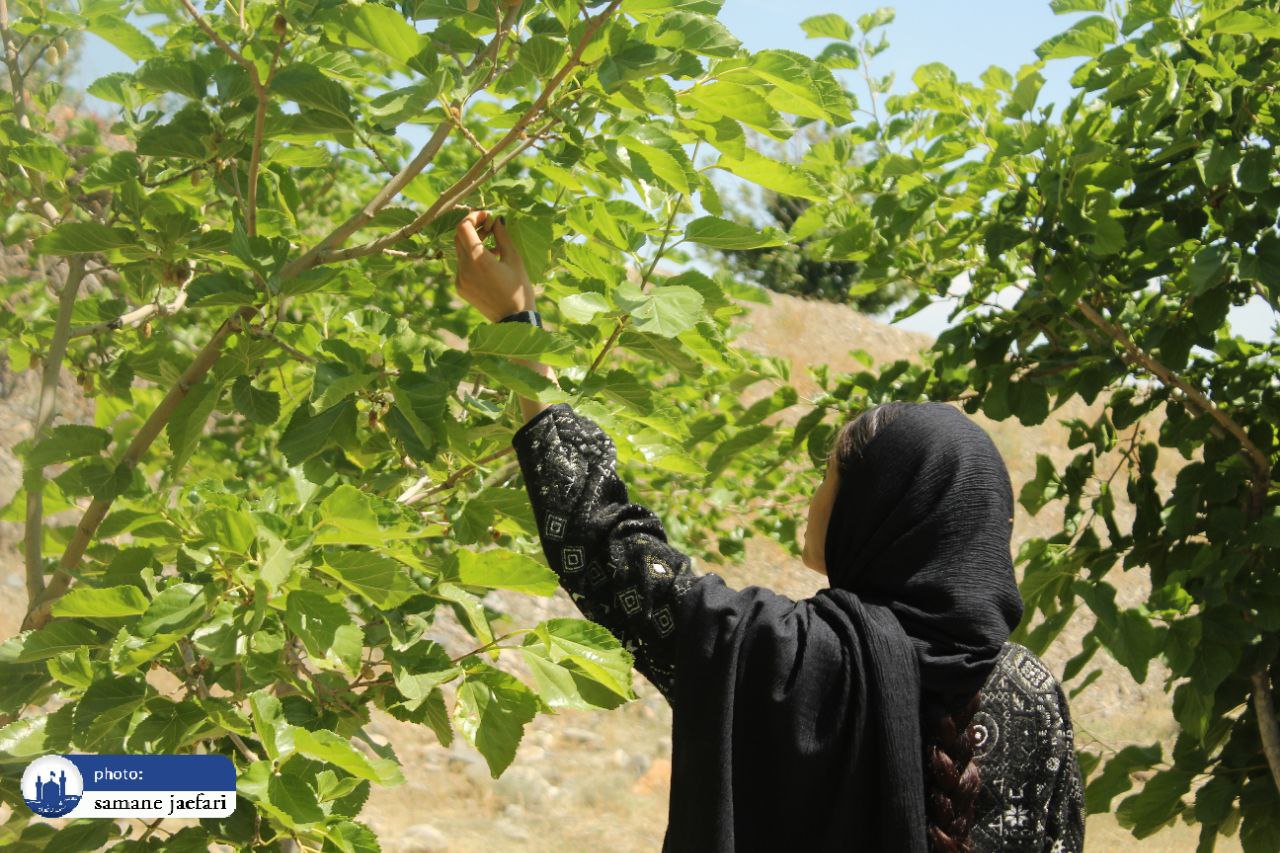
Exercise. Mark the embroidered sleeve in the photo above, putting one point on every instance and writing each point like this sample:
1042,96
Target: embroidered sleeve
1065,824
612,556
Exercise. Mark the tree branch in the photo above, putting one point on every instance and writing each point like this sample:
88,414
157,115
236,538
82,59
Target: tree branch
255,154
1261,478
1267,724
17,87
46,410
468,181
230,51
11,61
39,613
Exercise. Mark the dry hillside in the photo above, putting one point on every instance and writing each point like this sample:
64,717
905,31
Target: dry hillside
599,781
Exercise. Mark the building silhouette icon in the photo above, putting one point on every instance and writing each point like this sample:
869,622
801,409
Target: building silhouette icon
53,794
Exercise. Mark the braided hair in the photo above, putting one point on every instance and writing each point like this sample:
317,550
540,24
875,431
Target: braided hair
950,770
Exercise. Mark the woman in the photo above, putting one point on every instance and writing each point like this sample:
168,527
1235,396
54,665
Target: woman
886,712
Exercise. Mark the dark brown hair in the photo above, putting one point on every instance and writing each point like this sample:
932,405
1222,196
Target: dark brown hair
949,738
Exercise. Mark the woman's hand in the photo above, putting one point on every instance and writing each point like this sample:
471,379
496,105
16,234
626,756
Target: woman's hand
493,280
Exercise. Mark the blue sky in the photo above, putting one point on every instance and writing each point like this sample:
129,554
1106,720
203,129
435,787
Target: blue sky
968,37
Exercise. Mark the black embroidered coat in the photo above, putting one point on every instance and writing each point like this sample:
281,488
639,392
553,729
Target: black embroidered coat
613,558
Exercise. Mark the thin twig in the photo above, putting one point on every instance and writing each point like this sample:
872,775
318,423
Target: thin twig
267,335
136,317
189,661
648,274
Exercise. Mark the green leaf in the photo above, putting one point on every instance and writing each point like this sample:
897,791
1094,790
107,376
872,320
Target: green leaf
42,158
129,652
231,530
101,602
66,442
308,87
518,340
24,738
735,445
589,648
744,103
1158,803
334,749
491,712
307,434
171,74
799,85
879,18
771,174
469,610
1206,269
187,136
665,310
131,41
260,407
533,234
176,610
375,27
581,307
316,620
1115,777
420,670
269,722
1192,709
500,568
187,424
53,639
220,289
168,726
349,516
1088,37
541,56
645,9
695,33
71,238
104,704
656,156
1240,22
829,26
382,580
723,234
1061,7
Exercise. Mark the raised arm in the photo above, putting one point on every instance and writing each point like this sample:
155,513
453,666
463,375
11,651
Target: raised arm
612,555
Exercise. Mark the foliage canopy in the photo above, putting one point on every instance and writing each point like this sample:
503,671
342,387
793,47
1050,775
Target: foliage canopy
292,468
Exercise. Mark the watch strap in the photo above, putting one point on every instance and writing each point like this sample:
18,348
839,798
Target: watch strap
528,316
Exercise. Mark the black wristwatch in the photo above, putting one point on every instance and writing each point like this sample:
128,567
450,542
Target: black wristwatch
529,316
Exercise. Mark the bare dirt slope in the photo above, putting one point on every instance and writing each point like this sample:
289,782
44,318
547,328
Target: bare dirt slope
600,781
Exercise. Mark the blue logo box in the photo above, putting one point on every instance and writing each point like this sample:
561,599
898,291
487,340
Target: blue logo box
133,786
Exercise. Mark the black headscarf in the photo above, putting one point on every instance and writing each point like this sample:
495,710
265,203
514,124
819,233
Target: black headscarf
796,724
